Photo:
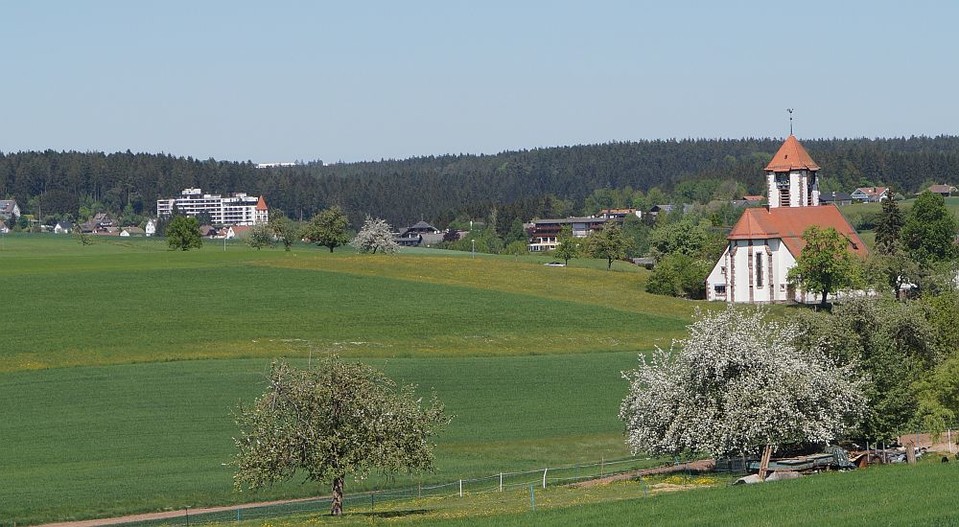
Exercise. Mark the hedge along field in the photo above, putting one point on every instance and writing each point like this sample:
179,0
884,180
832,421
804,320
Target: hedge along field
116,303
107,440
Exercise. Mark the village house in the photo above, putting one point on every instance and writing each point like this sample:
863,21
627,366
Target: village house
943,190
870,194
9,209
765,242
544,234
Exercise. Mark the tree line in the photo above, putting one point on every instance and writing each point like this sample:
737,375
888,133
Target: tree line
521,184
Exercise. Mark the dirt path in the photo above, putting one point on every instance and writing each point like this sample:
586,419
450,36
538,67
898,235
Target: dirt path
702,465
165,515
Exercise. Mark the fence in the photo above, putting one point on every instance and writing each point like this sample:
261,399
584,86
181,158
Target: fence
367,501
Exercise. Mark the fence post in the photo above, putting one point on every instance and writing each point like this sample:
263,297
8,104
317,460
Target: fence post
602,463
238,514
461,488
532,497
501,482
544,476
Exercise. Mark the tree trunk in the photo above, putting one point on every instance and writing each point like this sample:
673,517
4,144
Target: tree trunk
331,248
825,294
336,505
609,264
764,462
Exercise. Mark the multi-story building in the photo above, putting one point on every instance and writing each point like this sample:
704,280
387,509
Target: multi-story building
236,209
544,234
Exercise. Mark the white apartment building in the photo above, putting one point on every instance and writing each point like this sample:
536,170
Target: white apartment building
237,209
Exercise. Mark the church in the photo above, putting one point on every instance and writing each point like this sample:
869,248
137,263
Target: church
765,242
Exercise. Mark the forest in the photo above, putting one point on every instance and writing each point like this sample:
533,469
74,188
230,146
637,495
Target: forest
519,184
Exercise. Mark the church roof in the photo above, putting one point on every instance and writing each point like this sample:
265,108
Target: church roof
791,156
789,223
261,204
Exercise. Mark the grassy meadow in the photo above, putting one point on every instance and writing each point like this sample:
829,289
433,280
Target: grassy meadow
123,361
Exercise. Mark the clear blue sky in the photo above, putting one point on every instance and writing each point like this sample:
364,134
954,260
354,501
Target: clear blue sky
364,80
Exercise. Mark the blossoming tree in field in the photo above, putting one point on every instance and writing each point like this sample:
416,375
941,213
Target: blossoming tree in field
375,235
324,423
736,384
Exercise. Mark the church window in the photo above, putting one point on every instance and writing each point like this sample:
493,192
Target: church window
759,270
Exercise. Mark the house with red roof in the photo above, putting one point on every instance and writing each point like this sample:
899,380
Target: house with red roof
765,242
870,194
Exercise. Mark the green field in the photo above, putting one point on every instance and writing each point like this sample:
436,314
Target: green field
122,361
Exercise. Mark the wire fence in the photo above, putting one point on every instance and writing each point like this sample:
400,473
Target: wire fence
367,501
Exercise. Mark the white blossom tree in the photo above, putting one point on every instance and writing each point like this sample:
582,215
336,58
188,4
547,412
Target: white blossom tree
737,383
375,235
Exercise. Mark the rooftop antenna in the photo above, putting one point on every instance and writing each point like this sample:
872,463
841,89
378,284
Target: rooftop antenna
790,110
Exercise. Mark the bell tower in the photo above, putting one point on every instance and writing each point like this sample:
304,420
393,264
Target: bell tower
791,177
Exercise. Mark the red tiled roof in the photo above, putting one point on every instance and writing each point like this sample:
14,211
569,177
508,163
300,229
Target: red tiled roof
789,223
261,204
791,156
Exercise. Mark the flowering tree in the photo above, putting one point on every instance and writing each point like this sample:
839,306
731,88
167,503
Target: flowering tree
343,418
375,235
735,384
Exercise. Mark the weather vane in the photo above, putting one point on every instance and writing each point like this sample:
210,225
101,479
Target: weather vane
790,110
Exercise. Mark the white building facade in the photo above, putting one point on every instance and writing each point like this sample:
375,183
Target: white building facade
237,209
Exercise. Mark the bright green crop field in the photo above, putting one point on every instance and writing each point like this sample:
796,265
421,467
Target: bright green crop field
122,362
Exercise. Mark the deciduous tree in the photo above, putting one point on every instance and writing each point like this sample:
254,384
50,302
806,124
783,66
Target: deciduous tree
735,384
260,236
284,230
825,265
567,248
609,243
328,228
183,233
328,422
375,235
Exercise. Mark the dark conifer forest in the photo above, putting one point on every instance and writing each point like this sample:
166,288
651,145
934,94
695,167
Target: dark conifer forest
519,184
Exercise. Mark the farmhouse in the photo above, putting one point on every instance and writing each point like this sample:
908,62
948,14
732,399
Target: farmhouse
765,242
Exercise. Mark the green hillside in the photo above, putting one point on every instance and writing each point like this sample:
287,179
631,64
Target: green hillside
124,361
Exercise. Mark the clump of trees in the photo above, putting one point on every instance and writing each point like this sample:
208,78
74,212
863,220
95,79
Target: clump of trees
331,421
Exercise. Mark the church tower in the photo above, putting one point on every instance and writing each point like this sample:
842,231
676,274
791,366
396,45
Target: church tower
791,177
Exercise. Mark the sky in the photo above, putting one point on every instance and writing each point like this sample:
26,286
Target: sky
356,80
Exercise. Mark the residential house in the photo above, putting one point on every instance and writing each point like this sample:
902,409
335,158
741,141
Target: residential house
151,228
943,190
421,233
544,234
870,194
9,209
764,244
101,223
835,198
619,214
127,232
63,227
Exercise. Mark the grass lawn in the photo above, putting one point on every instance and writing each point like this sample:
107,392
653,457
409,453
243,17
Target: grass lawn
97,441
